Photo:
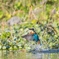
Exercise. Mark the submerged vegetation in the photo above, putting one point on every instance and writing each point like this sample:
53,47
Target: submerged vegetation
42,15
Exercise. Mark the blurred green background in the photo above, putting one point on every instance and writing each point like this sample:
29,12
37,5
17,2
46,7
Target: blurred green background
42,15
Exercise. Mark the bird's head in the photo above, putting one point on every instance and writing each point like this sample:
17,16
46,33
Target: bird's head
32,30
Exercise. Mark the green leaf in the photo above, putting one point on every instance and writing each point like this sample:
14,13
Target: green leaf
54,24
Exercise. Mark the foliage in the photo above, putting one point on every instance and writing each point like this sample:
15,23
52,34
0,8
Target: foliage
42,16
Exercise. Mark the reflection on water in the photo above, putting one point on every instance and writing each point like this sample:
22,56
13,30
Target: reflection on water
23,55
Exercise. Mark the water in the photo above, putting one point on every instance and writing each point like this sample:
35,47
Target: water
24,55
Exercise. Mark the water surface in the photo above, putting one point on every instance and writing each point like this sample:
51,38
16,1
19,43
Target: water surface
24,55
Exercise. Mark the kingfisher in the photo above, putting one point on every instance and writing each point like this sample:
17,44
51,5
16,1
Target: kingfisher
32,36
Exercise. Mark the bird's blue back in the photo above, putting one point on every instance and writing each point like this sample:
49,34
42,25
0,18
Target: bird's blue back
36,38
